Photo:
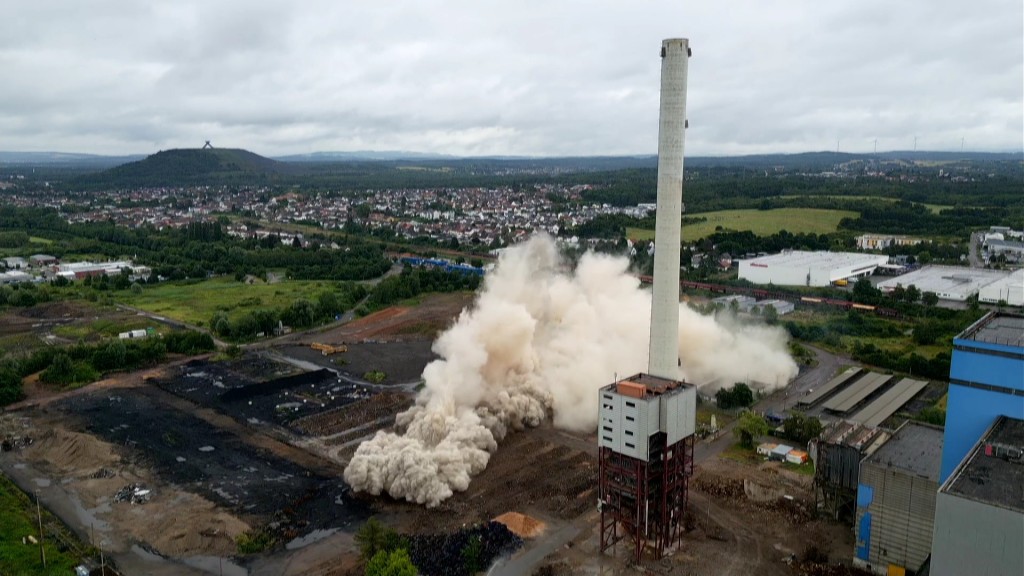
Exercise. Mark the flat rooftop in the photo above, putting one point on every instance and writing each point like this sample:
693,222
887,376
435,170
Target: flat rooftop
987,475
651,385
1004,289
997,328
803,259
915,448
947,282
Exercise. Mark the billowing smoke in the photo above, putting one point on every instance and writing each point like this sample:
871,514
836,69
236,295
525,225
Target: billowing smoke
540,340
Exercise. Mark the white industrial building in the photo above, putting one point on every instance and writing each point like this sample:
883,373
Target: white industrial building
947,282
799,268
1009,290
636,409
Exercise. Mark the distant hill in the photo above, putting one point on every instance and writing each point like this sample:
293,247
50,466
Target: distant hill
363,155
189,166
65,159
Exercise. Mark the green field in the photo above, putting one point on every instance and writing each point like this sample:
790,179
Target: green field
195,303
760,222
933,208
18,520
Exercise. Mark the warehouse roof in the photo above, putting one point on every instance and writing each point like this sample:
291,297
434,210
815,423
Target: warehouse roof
1004,289
949,282
890,402
997,328
914,448
857,392
993,472
844,377
804,259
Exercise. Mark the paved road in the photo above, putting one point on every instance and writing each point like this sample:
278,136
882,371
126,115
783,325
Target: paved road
974,251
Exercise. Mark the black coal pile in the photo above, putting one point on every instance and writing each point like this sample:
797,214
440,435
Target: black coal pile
454,554
277,385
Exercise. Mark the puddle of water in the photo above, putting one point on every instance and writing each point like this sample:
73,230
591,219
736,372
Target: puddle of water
179,459
88,517
216,565
19,466
146,554
314,536
206,448
42,482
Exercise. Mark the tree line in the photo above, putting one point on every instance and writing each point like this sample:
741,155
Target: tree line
83,363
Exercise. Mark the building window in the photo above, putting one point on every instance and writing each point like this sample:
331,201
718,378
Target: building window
628,445
630,418
607,428
607,439
631,404
629,432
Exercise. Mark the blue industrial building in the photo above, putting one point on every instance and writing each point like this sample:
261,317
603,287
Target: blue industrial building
986,380
438,264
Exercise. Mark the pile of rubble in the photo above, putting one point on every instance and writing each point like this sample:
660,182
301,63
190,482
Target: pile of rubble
446,554
133,493
819,569
11,443
719,487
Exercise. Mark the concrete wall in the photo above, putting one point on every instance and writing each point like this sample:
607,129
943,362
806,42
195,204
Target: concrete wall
894,524
970,411
975,538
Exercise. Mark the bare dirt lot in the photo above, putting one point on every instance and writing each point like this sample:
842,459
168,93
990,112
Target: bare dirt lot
425,320
533,472
738,523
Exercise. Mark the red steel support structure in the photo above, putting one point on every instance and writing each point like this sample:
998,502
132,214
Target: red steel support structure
645,501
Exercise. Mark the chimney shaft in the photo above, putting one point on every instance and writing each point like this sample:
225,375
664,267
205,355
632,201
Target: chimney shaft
664,344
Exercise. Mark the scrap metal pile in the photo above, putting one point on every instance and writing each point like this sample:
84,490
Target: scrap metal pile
133,493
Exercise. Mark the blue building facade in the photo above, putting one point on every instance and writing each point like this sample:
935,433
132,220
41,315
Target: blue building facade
986,380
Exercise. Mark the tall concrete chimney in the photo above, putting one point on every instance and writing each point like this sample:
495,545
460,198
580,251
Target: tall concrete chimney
664,346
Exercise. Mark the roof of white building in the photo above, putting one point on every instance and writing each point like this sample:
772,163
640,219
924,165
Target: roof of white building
804,259
955,281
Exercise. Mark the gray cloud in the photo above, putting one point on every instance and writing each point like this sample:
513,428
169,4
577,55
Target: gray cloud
528,77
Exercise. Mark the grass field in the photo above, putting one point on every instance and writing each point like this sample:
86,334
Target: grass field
933,208
18,520
760,222
104,328
195,303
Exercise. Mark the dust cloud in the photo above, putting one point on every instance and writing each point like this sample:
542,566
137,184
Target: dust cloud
539,341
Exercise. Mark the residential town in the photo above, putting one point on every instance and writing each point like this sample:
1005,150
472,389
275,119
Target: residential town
486,216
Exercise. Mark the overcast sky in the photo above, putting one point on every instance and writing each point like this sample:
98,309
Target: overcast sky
524,77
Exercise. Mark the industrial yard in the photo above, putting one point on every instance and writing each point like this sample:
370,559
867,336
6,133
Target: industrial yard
258,445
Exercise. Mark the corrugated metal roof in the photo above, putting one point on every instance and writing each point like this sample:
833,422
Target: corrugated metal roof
888,403
857,392
831,385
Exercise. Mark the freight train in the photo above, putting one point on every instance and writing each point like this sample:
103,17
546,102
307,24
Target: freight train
764,294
